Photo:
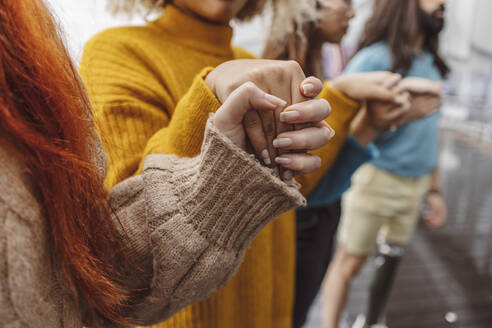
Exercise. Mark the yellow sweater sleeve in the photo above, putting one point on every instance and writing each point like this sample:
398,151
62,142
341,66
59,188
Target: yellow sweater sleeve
343,112
133,108
184,134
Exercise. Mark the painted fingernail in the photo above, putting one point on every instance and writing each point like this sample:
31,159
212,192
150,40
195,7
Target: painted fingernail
276,100
308,88
283,160
288,175
289,116
266,157
282,142
332,132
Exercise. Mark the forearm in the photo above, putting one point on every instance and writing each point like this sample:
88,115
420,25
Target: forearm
200,215
363,129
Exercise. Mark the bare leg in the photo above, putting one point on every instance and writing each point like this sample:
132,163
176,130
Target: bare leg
342,270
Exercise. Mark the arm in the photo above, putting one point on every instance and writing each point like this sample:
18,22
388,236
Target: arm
343,94
192,243
135,112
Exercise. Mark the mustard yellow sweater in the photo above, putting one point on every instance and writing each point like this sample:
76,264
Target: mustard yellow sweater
148,93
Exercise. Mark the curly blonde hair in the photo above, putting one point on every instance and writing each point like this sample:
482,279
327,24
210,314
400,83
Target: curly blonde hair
290,16
146,7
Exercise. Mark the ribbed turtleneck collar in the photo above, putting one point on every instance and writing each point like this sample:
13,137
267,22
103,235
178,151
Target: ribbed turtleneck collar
196,34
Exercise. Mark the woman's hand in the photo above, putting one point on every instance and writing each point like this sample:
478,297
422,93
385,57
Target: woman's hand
286,80
426,98
249,97
369,86
436,213
376,117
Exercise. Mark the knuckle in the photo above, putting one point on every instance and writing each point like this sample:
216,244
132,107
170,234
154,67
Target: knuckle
294,65
303,141
258,74
300,164
232,87
248,87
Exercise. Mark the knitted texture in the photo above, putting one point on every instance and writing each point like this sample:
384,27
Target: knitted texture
185,226
148,93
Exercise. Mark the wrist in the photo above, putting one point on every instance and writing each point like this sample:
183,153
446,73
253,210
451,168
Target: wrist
340,84
365,135
364,131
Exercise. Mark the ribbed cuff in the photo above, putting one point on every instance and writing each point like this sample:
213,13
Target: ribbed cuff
230,196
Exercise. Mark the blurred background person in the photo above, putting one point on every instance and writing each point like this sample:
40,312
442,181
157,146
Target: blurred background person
386,195
317,223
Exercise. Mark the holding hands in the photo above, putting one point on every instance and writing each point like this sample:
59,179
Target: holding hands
268,109
415,98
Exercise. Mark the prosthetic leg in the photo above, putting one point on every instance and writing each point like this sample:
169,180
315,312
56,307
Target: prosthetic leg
386,262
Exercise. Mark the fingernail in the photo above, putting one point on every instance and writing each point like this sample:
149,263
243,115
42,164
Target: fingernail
283,160
400,99
282,142
289,116
288,175
308,88
266,157
276,101
332,132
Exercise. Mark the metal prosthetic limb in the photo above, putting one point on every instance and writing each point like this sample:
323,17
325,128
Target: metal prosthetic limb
386,263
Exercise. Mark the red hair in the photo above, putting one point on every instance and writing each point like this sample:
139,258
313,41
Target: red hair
45,113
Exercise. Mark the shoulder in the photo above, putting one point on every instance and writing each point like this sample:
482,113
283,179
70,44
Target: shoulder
31,285
123,35
16,186
123,43
376,57
241,53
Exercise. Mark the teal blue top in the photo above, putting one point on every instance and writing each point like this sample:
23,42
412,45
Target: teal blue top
412,150
337,180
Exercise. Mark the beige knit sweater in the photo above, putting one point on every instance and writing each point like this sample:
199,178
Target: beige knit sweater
188,223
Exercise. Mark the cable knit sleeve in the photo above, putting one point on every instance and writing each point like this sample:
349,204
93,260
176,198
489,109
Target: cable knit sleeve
188,222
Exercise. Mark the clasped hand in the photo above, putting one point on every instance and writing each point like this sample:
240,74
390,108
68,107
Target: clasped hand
268,109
